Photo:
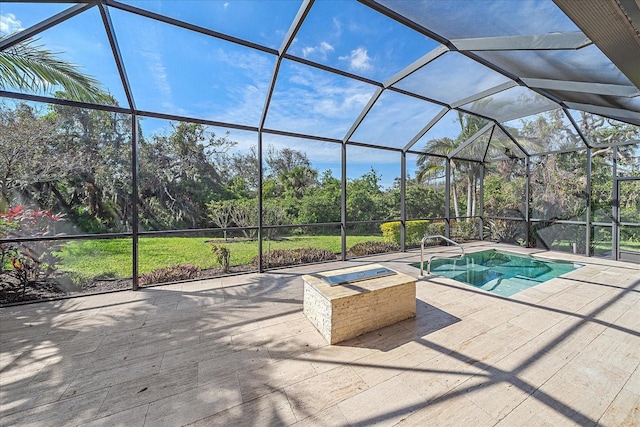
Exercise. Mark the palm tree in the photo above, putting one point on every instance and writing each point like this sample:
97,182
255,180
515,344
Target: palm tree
430,167
27,66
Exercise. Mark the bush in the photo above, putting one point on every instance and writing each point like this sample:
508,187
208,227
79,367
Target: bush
222,255
370,248
436,228
284,257
503,231
170,274
29,261
415,230
466,230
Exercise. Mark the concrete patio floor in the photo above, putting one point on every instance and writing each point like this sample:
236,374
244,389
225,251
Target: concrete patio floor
239,351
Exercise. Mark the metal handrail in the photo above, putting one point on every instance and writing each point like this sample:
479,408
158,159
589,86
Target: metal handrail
434,256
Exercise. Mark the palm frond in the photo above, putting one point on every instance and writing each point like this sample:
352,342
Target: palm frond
30,67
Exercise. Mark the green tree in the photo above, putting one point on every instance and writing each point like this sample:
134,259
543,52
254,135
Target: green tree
70,160
322,203
28,66
26,156
365,199
462,172
178,176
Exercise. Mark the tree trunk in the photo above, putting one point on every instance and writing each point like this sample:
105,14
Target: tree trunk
470,193
474,205
456,209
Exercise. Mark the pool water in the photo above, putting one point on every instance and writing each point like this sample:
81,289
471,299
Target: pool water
499,272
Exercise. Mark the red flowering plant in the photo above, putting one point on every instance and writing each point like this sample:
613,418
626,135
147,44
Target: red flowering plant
34,259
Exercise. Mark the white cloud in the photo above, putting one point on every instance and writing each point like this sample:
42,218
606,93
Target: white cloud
358,60
226,4
322,50
337,30
9,24
316,103
157,71
254,70
326,47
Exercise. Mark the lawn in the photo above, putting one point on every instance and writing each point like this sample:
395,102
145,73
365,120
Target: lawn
112,258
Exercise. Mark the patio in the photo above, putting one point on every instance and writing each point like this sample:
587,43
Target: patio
239,351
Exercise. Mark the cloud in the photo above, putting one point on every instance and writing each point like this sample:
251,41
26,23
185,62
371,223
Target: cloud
252,75
322,49
358,60
316,103
9,24
157,71
226,4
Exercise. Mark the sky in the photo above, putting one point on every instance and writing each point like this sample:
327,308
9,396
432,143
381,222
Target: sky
181,72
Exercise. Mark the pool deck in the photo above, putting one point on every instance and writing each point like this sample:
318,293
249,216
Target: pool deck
239,351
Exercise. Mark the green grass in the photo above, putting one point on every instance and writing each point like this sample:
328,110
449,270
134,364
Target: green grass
112,258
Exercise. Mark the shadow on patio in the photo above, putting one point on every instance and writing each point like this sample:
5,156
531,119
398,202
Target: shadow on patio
239,351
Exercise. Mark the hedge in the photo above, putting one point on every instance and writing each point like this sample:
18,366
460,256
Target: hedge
415,230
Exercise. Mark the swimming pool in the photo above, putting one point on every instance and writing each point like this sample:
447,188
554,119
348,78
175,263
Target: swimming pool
498,272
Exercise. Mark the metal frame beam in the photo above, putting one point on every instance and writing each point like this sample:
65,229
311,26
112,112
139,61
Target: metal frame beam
520,147
486,151
624,91
588,201
577,128
363,114
615,207
186,25
633,117
44,25
425,129
403,201
117,55
550,41
303,11
471,139
491,91
416,65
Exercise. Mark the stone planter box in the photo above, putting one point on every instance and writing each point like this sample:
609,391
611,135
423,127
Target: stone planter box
350,309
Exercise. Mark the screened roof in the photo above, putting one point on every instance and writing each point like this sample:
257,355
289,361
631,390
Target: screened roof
387,73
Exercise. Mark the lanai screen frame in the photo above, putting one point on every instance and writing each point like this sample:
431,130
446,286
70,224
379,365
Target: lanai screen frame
467,47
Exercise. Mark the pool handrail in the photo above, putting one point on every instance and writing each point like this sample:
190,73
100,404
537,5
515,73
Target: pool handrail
434,236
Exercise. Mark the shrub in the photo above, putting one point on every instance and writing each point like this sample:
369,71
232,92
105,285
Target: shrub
464,229
415,230
370,248
29,261
391,231
503,231
170,274
436,228
222,255
284,257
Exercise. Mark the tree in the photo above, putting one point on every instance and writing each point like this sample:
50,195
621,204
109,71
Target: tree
366,200
95,189
321,203
220,214
285,160
178,176
27,66
296,181
25,157
467,173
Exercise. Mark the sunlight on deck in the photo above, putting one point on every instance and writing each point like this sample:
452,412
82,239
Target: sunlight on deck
239,351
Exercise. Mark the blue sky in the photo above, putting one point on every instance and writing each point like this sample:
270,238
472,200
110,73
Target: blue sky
182,72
